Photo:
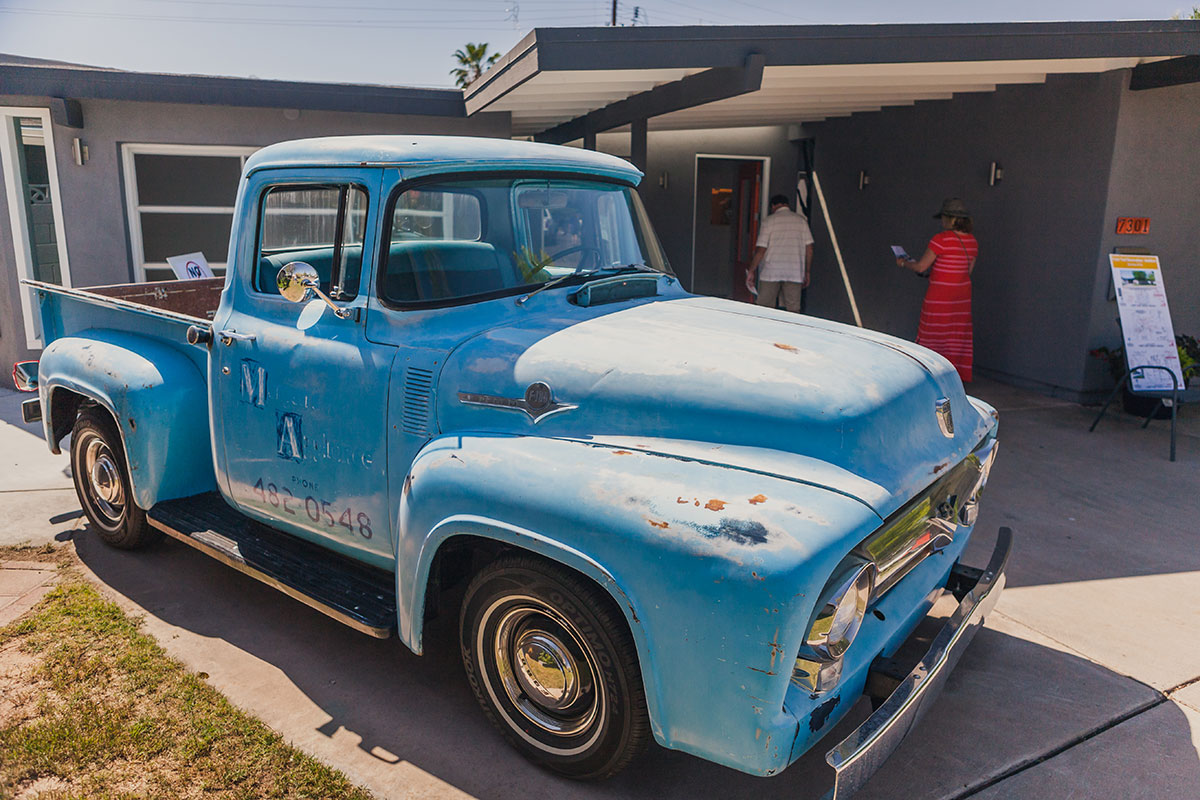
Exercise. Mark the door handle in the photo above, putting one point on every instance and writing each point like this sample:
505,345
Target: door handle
229,337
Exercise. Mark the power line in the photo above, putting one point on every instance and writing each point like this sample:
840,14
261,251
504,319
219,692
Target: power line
325,23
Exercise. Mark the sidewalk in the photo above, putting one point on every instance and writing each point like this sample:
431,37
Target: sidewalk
1084,683
35,485
22,585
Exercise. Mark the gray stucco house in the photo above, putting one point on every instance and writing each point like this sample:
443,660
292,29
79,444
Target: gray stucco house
1050,131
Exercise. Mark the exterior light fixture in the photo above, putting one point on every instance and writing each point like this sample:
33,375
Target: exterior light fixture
996,175
863,179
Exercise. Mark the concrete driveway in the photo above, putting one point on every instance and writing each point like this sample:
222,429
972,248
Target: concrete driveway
1085,682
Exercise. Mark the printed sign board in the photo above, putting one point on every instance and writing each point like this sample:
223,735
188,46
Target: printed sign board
190,267
1145,320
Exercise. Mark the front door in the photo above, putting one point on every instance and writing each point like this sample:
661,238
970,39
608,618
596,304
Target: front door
305,410
727,213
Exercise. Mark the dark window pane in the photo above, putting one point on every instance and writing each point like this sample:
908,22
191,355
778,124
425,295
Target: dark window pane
186,180
175,234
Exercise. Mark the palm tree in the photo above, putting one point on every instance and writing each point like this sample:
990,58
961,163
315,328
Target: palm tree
471,62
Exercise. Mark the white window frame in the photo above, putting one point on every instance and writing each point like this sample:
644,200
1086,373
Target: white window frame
22,244
134,209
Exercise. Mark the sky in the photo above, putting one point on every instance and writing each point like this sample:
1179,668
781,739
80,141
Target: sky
410,44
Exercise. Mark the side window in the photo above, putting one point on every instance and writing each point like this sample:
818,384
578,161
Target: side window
320,225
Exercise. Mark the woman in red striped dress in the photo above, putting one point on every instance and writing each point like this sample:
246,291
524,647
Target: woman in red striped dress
945,325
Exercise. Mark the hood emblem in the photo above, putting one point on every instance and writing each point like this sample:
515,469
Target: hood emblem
538,401
945,418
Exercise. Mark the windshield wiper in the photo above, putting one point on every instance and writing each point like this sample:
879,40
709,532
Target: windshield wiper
550,284
585,273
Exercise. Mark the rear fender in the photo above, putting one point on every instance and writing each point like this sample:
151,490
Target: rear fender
157,396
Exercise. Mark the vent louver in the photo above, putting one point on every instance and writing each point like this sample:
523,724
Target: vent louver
418,397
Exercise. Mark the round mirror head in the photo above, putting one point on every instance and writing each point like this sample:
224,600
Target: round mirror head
295,279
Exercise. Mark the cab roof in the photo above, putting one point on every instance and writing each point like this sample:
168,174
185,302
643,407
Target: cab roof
431,155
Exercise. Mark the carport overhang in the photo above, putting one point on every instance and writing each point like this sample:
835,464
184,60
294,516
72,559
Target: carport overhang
566,84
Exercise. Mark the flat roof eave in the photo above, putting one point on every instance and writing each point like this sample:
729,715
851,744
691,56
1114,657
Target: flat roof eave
608,49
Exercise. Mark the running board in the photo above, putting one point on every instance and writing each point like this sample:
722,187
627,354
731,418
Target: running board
350,592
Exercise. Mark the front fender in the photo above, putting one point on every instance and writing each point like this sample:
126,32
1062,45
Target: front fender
716,569
157,396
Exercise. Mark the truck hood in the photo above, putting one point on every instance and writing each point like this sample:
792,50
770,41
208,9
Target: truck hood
714,380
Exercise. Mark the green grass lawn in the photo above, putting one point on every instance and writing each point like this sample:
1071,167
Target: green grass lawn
90,707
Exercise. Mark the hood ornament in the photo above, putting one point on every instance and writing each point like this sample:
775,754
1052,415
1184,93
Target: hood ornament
538,401
945,417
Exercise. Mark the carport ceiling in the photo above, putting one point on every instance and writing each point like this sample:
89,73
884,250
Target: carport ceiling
560,80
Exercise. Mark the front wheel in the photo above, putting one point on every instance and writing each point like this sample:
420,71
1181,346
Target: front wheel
554,666
102,482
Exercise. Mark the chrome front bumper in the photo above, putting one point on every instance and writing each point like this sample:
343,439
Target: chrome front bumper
861,753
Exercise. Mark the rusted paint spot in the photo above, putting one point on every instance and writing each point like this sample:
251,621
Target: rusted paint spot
757,733
758,498
622,452
787,347
763,671
715,505
940,467
132,424
657,524
757,577
682,501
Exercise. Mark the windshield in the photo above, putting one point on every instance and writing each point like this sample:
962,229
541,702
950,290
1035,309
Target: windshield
479,237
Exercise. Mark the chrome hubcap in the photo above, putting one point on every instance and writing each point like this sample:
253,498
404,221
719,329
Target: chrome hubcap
545,669
104,480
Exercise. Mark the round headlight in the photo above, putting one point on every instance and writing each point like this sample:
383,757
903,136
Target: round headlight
841,616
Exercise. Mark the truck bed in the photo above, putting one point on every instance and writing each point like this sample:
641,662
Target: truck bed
197,298
161,310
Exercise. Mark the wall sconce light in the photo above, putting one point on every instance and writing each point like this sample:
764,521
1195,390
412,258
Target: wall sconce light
663,179
79,150
996,175
864,179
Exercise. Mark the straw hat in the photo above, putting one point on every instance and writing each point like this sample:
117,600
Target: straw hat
953,207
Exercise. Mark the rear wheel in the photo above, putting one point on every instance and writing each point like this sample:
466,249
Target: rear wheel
553,664
102,482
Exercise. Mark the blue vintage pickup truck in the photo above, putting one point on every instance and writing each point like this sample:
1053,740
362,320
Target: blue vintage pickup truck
458,376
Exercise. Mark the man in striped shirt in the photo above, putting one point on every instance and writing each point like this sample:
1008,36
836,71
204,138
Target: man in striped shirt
785,250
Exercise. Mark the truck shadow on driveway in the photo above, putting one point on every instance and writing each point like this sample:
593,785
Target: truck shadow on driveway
368,706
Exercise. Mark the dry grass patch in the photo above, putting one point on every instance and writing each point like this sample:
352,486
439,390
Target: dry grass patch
94,708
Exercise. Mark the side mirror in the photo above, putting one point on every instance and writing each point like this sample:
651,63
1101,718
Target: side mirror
298,281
